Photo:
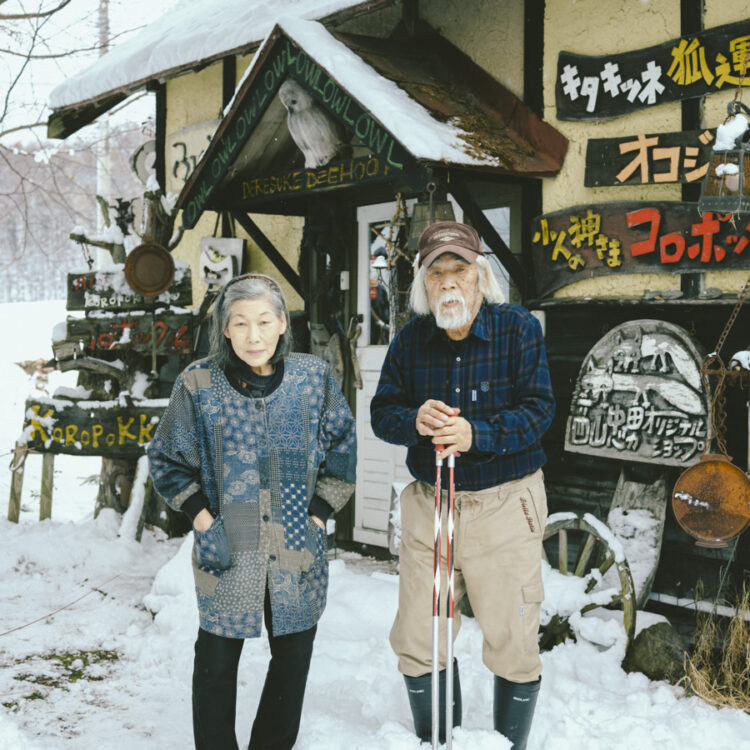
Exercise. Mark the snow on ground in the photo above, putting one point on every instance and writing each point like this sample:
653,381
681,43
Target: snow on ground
112,670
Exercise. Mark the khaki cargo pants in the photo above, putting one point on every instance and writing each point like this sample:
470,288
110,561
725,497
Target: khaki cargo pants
497,562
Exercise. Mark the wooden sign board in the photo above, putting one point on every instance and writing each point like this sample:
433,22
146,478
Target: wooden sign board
590,88
336,174
91,428
635,237
649,159
100,332
639,397
107,289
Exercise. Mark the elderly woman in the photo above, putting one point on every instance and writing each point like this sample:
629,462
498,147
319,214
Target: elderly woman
257,447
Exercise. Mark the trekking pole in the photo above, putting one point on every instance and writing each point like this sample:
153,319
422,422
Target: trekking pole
436,607
449,622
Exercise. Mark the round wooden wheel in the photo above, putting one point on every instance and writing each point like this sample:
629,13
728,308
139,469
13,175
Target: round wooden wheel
587,548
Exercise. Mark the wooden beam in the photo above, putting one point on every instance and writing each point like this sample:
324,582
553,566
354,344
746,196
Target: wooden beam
481,223
48,476
260,239
18,464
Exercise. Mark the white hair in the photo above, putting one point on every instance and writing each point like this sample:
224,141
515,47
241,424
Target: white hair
420,304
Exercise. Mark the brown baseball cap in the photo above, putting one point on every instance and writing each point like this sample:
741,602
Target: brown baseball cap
449,237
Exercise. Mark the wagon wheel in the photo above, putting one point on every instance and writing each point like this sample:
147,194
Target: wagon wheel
588,538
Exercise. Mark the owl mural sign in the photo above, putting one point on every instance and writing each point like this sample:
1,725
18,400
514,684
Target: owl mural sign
639,397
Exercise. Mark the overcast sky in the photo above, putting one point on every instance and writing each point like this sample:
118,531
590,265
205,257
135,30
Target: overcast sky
75,27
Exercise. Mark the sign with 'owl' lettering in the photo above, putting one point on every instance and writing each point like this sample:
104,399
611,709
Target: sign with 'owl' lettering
639,397
291,129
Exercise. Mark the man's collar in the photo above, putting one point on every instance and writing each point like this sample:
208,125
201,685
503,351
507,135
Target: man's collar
479,327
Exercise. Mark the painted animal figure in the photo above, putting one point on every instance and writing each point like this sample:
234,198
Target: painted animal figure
602,381
318,135
658,347
653,351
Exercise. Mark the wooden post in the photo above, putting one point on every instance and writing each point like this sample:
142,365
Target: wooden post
16,483
48,475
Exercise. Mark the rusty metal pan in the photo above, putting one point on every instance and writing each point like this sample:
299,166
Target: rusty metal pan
149,269
711,500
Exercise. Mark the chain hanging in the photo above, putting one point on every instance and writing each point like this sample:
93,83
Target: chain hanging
713,365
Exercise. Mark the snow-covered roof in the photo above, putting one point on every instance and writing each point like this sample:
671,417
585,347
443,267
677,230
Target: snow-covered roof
435,102
193,32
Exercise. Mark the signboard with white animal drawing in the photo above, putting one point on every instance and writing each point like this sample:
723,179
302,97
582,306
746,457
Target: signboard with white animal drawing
220,259
639,397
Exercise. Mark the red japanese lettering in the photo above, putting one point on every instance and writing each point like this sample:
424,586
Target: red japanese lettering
641,216
677,241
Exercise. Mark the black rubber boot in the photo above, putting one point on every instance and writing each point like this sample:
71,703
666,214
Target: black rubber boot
514,709
420,700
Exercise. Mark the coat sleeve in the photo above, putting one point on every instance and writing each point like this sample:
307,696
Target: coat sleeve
338,440
174,456
516,429
392,414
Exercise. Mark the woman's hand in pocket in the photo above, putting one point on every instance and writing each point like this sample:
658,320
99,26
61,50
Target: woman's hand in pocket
211,547
203,521
318,522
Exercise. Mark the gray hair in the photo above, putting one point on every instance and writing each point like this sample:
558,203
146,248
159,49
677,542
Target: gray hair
418,291
248,286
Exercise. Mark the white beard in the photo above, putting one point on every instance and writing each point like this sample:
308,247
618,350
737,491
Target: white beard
460,318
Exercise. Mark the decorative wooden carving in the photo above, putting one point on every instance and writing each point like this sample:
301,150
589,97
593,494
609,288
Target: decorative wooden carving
639,397
635,237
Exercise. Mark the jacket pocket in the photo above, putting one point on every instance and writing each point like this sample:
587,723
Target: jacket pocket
211,547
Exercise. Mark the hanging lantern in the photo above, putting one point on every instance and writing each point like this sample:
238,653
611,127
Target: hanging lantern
426,213
726,186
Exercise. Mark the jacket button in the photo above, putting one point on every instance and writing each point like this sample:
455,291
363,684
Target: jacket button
265,518
258,405
272,558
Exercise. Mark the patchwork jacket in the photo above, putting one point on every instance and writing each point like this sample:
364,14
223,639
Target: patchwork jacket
258,461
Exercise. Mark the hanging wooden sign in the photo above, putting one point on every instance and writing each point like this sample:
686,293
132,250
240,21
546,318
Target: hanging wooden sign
108,289
639,397
634,237
135,330
648,159
91,428
589,88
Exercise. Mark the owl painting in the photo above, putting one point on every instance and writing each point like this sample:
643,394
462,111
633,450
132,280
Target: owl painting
318,135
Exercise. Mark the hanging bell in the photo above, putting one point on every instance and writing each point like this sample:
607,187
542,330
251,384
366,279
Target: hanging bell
427,212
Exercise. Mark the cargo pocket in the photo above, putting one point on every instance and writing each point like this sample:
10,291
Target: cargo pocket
532,597
211,547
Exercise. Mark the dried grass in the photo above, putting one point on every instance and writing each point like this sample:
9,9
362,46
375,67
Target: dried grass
718,669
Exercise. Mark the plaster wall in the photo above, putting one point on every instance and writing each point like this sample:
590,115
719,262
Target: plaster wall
194,105
593,27
718,12
490,32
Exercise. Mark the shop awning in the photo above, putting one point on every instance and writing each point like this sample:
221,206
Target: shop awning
385,109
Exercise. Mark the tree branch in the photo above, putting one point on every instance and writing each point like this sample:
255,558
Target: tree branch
41,14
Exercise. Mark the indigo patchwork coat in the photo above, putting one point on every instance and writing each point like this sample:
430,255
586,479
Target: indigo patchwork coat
258,461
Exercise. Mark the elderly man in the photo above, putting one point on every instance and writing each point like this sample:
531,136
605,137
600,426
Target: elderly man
470,374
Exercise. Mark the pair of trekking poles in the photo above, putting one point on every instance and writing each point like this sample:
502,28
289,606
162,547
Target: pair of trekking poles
436,606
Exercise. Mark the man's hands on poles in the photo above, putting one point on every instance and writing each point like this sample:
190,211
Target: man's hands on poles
442,423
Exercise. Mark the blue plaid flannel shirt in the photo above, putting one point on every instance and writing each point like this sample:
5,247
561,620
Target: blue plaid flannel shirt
499,378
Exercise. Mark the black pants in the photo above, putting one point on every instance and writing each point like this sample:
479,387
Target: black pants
215,690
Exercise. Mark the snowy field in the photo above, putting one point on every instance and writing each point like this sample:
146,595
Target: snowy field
111,671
